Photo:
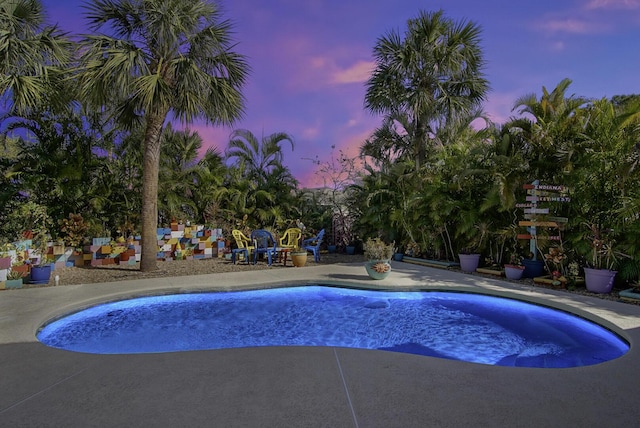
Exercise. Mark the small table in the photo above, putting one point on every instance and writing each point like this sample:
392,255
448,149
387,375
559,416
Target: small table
284,252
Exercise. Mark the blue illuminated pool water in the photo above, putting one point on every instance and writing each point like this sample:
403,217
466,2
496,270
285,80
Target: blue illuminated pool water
459,326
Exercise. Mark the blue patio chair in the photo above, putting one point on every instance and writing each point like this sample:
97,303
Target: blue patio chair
263,243
313,245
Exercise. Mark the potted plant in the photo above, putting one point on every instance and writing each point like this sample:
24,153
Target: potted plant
470,255
514,269
469,260
14,279
39,221
298,256
351,248
600,275
378,255
629,271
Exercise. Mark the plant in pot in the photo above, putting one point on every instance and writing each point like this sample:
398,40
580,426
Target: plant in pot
600,274
39,222
555,260
470,255
629,271
378,255
298,256
514,269
14,279
398,256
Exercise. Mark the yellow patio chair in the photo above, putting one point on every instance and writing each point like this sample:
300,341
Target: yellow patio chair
291,238
242,244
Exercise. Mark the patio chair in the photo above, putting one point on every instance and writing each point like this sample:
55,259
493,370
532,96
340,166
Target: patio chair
242,244
291,238
313,245
263,243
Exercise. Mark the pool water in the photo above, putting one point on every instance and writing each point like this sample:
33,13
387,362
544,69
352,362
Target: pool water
460,326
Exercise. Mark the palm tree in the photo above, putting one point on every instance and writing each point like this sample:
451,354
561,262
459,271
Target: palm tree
162,57
257,158
552,126
176,178
431,75
32,56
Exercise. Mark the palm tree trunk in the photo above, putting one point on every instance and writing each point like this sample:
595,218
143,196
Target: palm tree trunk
151,167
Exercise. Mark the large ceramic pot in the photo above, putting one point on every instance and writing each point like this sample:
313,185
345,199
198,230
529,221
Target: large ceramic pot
351,250
513,271
532,268
40,274
469,262
378,269
299,259
599,280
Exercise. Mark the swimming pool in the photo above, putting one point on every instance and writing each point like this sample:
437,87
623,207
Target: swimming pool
460,326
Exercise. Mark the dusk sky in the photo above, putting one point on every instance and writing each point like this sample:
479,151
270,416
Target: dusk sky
311,58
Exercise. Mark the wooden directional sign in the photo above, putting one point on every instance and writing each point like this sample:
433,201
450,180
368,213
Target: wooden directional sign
538,223
533,236
548,198
536,210
555,188
529,205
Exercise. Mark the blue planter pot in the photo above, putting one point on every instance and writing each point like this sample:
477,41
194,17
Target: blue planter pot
532,268
331,248
398,257
351,250
40,274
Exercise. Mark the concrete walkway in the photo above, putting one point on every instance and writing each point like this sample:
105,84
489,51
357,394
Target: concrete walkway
302,386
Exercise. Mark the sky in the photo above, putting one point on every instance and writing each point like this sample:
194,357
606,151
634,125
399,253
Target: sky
310,60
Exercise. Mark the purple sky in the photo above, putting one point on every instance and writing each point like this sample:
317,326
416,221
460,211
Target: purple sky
310,59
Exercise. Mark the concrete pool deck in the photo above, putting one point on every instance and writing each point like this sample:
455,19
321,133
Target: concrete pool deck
302,386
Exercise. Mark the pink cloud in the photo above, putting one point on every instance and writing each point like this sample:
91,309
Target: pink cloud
568,25
614,4
357,73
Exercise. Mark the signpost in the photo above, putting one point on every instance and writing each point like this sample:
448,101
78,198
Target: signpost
533,214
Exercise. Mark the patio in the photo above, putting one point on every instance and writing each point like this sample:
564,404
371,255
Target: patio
302,386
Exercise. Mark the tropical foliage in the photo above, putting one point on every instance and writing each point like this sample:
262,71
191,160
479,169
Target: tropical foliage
96,135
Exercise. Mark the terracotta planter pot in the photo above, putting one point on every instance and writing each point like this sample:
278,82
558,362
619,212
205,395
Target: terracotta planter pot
299,259
23,269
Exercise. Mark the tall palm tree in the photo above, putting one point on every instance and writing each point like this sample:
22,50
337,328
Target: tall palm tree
161,57
32,55
431,74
